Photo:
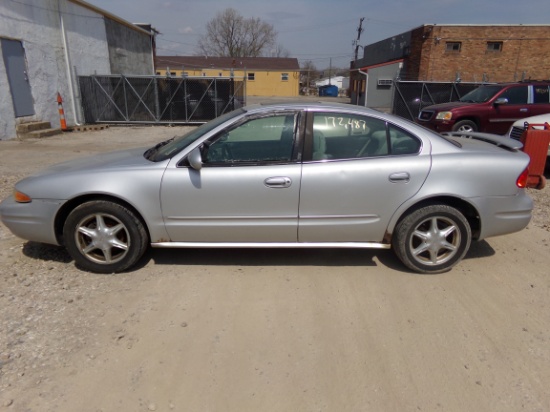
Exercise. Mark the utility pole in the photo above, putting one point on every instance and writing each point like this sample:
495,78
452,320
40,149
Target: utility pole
359,31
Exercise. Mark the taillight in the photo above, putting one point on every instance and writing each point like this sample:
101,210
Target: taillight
522,179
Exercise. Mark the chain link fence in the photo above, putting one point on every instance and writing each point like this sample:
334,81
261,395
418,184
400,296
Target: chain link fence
158,99
410,97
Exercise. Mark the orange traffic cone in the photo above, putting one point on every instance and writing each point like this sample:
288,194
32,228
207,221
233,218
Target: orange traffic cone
61,113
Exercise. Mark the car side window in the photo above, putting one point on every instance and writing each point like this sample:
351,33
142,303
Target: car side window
541,94
258,140
347,136
402,142
516,95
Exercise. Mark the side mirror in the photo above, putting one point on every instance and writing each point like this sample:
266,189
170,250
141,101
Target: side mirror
501,100
195,159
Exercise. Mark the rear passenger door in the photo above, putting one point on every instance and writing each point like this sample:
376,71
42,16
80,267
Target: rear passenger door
516,108
357,171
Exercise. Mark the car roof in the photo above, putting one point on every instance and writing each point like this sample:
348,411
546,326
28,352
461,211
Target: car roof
322,105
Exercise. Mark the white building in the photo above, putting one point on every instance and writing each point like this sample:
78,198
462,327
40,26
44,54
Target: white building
339,81
46,44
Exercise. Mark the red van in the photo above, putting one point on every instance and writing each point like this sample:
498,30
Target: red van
490,108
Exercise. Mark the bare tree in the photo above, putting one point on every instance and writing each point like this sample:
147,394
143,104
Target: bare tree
308,69
279,51
308,74
231,35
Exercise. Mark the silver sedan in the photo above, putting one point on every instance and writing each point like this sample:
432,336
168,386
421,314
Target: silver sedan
291,175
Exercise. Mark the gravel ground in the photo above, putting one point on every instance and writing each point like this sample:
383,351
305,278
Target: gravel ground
49,309
45,301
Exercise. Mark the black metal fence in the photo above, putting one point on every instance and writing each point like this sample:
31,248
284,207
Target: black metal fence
410,97
158,99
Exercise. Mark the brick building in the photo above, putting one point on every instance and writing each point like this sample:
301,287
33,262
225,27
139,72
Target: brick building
468,53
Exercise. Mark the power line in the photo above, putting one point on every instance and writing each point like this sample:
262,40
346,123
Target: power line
177,42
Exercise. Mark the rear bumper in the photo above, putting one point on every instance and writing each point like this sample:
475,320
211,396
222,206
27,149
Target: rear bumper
31,221
504,214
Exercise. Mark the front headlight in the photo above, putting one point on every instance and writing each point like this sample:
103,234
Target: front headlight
444,116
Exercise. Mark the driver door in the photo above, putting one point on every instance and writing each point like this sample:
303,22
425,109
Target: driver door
247,189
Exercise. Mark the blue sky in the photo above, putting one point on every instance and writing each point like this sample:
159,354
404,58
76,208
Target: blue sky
320,30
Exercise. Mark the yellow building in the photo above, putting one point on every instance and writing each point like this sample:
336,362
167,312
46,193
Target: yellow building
265,76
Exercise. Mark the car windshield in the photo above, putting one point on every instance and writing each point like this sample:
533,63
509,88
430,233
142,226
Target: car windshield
481,94
165,150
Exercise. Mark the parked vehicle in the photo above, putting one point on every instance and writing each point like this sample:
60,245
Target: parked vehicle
294,175
518,126
490,108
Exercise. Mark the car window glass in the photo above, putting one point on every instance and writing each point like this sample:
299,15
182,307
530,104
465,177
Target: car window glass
175,145
266,139
402,142
516,95
348,136
481,94
541,94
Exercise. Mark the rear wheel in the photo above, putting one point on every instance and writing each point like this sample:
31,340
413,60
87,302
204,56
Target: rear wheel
104,237
432,239
465,126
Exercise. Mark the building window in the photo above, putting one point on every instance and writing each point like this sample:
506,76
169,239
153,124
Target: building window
494,46
284,77
453,46
251,76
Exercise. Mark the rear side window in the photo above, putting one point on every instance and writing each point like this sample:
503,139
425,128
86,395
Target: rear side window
402,143
351,136
541,94
516,95
347,136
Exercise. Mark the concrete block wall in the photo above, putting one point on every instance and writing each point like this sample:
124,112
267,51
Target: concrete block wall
63,39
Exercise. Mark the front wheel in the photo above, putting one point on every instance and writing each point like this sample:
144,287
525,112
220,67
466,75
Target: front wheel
465,126
432,239
104,237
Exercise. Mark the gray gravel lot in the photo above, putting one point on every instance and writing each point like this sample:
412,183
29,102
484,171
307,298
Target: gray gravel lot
268,330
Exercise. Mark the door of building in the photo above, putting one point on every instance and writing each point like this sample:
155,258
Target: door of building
16,69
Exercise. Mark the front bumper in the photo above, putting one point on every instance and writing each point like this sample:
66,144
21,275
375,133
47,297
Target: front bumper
31,221
437,126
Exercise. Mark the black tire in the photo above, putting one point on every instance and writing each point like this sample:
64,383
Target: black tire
104,237
432,239
465,126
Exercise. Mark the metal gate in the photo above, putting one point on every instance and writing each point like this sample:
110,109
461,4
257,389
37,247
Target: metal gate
410,97
158,99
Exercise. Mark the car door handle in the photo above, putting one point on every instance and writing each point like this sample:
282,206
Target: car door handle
523,110
400,177
278,182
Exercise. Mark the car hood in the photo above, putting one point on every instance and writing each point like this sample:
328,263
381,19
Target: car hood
103,173
443,107
539,119
103,161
